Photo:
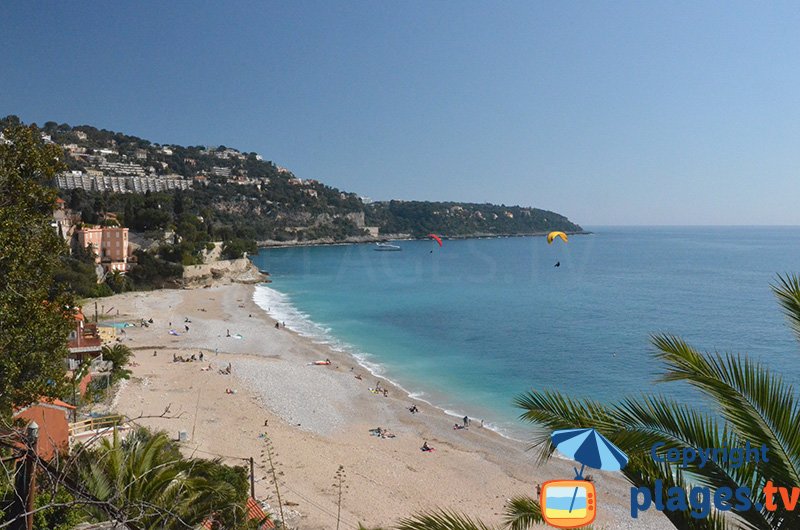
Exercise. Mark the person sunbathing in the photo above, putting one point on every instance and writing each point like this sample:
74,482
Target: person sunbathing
425,447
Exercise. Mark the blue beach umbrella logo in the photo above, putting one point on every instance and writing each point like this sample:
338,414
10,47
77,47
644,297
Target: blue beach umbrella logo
590,448
573,503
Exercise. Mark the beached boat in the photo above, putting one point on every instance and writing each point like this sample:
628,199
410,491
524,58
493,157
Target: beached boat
386,247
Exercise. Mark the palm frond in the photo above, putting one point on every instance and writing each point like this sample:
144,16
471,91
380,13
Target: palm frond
634,426
756,403
522,512
787,290
441,520
549,411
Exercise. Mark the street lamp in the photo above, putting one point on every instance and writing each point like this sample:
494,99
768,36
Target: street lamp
33,433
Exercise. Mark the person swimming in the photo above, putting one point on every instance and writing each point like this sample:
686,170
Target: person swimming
558,264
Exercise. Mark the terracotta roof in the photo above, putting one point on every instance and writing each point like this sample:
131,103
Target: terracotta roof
59,403
45,401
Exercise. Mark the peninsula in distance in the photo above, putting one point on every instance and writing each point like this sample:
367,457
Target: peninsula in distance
238,196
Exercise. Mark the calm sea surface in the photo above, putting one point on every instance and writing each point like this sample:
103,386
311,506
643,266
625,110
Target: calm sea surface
472,324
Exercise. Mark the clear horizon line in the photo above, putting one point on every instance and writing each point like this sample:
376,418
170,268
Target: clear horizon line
589,225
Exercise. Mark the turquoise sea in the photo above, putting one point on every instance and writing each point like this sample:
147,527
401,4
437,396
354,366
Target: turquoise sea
470,325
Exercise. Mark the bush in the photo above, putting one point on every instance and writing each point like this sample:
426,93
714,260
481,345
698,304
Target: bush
79,277
152,272
236,248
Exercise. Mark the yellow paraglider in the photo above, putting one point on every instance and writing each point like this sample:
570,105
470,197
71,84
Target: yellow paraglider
552,235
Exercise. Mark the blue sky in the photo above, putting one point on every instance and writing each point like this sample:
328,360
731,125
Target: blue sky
608,112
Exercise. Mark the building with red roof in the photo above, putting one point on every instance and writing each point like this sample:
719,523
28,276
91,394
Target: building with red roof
52,417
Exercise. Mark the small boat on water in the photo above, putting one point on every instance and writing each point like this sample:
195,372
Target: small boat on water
386,247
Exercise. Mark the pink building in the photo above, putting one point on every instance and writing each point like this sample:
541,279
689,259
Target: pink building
110,246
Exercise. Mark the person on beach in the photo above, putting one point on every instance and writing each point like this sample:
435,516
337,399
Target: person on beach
228,333
538,491
385,393
187,328
426,447
466,422
155,353
201,356
277,325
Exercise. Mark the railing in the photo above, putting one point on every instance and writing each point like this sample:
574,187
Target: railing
96,425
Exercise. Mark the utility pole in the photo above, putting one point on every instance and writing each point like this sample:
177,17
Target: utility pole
30,470
25,482
252,480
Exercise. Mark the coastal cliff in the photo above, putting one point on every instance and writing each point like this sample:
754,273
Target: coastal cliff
222,272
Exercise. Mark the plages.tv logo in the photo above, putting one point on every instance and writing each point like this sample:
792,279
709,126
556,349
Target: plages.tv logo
573,503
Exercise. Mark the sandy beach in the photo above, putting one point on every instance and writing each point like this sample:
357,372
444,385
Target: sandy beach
318,418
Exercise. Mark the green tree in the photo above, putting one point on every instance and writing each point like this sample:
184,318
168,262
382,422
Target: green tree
148,481
151,272
120,356
118,282
34,321
236,248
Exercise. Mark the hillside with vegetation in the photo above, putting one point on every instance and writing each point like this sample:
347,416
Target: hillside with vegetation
240,195
178,201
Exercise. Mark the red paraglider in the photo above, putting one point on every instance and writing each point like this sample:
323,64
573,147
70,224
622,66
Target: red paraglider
436,238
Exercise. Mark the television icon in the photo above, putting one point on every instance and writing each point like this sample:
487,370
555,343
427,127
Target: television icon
568,503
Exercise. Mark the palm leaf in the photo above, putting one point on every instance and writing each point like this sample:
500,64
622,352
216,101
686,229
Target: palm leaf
787,290
441,520
523,512
758,406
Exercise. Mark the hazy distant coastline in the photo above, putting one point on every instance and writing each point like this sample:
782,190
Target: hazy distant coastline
355,240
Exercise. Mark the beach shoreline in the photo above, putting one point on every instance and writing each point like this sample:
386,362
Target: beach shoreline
318,417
